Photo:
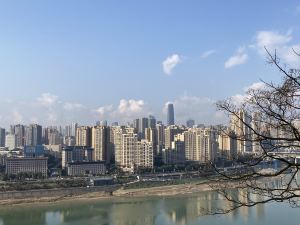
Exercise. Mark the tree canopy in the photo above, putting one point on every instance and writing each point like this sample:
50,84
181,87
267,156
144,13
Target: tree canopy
266,127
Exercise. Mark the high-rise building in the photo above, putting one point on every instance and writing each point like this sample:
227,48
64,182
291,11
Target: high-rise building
10,141
143,124
170,116
2,137
54,137
70,130
45,135
240,124
151,136
103,123
160,137
207,146
69,141
144,156
76,154
190,123
175,154
151,121
73,129
190,137
129,151
201,144
114,124
19,131
34,135
256,125
136,124
99,143
170,132
126,146
83,136
227,144
34,151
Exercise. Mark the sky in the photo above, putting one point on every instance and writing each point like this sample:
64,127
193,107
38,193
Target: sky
81,61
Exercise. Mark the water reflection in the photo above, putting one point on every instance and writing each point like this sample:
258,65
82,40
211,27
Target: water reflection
184,210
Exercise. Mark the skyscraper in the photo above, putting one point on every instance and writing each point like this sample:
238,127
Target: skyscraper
19,131
73,129
83,136
130,152
170,117
34,135
240,124
206,145
99,143
10,141
160,137
54,137
2,137
169,133
143,124
151,121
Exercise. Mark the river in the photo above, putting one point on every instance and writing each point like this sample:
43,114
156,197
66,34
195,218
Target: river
176,210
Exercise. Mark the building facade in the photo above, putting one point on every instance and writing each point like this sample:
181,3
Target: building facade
34,151
170,115
15,166
86,168
34,135
76,154
19,131
131,153
83,136
2,137
10,141
99,143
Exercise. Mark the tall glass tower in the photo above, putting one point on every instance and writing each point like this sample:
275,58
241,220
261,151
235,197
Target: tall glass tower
170,117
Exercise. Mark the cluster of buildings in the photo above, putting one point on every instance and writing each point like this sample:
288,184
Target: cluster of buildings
89,149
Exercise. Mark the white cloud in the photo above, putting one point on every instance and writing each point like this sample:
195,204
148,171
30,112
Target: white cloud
47,99
255,86
48,110
125,111
240,57
73,106
130,106
208,53
104,109
239,99
273,40
170,63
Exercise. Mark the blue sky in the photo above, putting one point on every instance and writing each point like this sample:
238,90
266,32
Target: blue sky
64,61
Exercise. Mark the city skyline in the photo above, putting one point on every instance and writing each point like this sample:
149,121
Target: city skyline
64,62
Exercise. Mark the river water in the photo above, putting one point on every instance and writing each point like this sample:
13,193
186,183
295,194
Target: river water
177,210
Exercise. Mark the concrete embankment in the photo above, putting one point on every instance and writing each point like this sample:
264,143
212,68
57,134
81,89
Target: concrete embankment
52,195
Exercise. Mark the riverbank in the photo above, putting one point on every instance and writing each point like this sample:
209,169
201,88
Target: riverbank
112,192
102,193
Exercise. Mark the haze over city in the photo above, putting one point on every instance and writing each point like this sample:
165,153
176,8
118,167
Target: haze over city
78,61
